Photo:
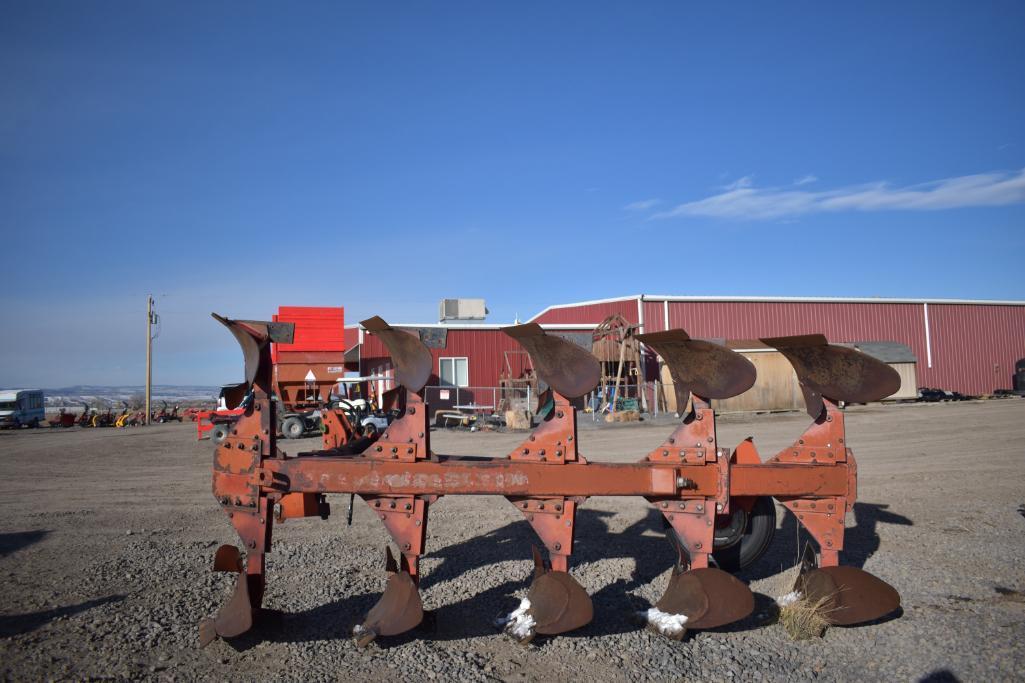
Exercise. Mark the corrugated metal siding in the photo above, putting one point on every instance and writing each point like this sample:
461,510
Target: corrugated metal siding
974,347
484,349
316,328
591,314
979,343
654,316
351,337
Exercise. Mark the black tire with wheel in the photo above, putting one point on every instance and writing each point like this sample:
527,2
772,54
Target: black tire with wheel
735,549
219,433
293,428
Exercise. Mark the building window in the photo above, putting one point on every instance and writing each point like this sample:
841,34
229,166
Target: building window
454,372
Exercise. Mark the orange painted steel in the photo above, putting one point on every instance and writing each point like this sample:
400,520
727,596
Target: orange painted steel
690,479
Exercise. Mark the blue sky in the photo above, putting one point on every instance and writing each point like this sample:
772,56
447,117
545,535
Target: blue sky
232,157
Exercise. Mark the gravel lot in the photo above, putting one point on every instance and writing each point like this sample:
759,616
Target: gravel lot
107,537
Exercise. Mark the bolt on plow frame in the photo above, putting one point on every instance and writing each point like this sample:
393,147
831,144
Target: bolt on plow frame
697,485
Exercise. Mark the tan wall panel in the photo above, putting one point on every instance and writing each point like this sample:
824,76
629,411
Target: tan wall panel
775,389
908,380
667,383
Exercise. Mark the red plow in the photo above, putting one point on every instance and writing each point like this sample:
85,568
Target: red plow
696,484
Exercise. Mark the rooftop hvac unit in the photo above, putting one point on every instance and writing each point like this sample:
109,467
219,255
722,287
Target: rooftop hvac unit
462,309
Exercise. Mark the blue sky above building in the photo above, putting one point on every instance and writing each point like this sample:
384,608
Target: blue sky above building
233,157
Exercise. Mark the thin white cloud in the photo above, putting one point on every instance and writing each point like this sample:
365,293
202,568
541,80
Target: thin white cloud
751,203
642,205
740,183
804,180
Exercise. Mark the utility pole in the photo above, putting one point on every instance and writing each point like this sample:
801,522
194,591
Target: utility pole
149,352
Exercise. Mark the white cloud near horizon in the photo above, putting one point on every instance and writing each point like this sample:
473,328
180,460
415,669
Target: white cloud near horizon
742,200
642,205
804,180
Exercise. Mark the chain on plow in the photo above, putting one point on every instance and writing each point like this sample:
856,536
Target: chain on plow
700,488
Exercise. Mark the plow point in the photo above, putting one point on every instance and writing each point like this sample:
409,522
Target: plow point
849,595
556,603
700,598
399,609
236,616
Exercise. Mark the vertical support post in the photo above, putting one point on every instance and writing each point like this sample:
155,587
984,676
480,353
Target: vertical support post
149,354
928,338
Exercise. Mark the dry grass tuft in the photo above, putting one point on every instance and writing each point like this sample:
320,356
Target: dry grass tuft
804,619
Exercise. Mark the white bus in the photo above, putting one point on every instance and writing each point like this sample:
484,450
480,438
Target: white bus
21,408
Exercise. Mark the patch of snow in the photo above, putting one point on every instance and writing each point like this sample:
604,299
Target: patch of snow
519,623
667,624
788,599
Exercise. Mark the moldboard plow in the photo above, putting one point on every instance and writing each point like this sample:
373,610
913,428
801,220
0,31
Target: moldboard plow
700,488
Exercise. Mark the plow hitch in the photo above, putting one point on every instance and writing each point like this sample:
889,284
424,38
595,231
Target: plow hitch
708,495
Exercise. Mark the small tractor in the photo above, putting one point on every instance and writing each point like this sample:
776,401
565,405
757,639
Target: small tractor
165,415
63,419
86,418
696,484
104,419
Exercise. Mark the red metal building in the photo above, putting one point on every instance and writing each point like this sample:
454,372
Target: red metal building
468,357
961,345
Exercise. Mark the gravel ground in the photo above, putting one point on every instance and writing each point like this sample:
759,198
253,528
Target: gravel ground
107,537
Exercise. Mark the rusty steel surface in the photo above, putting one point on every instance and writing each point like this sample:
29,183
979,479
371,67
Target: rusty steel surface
850,595
413,362
568,369
835,372
706,369
398,610
691,480
558,603
708,597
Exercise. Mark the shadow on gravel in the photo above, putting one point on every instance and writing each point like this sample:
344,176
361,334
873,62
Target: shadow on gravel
940,676
10,543
17,624
331,621
615,605
474,614
860,541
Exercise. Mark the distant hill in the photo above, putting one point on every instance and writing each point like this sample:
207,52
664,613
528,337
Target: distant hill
113,395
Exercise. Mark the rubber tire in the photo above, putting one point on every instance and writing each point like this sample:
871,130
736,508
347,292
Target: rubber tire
761,525
293,428
219,433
